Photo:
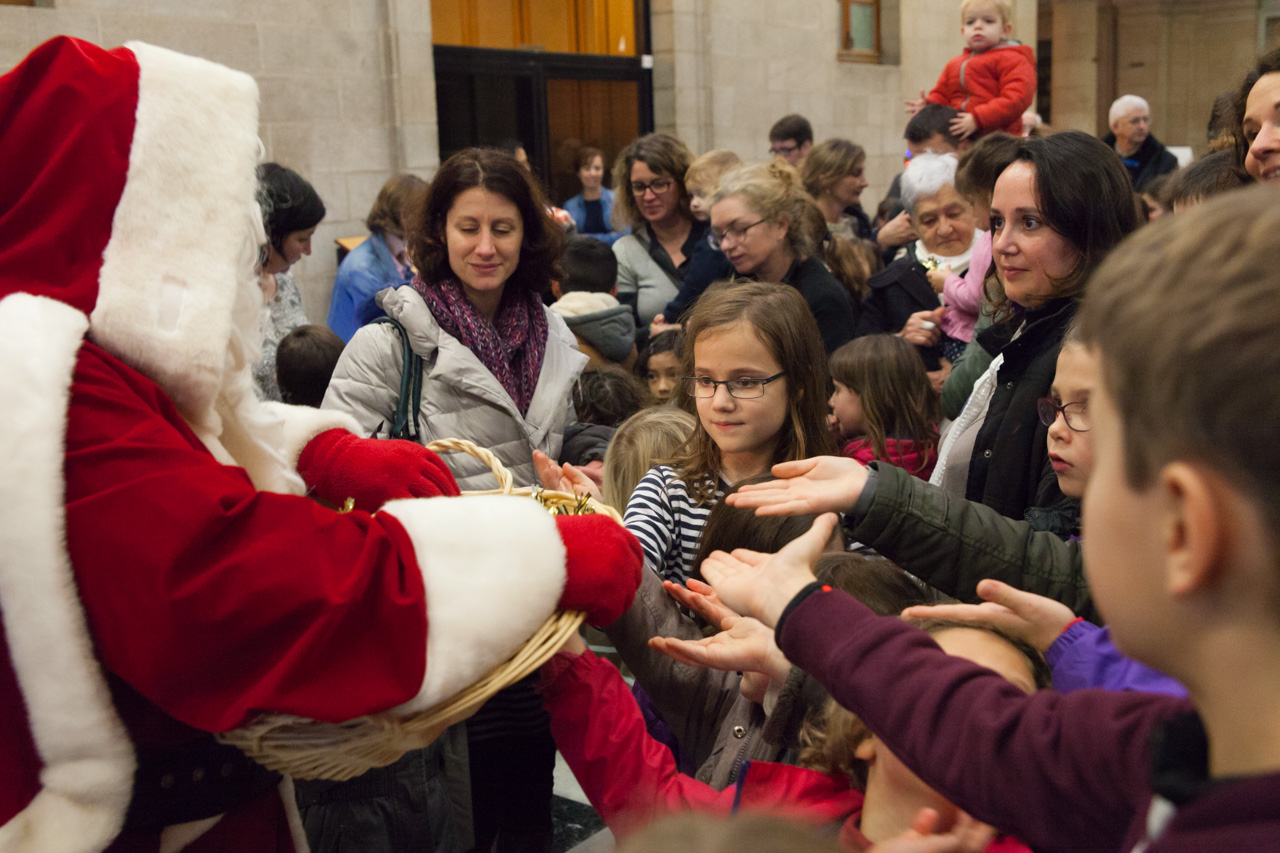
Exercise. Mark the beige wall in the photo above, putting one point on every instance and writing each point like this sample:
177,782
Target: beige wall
1178,54
348,87
725,70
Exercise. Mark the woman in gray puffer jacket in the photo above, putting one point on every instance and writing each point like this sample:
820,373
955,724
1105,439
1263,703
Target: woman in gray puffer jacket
497,370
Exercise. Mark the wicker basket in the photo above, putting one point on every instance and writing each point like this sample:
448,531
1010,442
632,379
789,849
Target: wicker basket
309,749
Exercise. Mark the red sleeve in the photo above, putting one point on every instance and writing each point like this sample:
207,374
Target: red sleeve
629,777
1063,773
948,80
215,600
1016,81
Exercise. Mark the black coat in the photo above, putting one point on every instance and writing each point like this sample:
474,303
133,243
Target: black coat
893,295
1149,162
1010,470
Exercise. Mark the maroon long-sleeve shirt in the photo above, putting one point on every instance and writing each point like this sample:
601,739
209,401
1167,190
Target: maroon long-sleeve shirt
1091,770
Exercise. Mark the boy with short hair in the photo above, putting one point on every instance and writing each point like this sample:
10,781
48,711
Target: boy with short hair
587,299
305,359
1182,552
993,81
790,138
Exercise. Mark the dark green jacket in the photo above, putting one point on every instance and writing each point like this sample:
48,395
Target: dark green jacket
951,543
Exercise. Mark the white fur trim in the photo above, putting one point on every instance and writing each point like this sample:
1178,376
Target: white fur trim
493,567
579,303
171,268
303,423
87,777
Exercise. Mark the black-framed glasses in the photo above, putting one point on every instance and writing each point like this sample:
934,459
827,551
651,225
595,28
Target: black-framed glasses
658,185
717,238
1075,414
783,150
741,388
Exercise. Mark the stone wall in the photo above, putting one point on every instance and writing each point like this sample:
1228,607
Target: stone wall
348,87
725,70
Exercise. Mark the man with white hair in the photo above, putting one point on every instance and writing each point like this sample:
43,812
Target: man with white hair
1144,156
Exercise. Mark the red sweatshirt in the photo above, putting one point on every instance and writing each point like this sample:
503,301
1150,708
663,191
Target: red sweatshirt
631,779
996,86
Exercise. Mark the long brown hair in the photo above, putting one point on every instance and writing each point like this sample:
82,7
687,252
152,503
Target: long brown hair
666,157
897,400
779,316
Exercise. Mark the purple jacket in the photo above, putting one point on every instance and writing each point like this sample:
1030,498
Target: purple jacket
1070,772
1084,656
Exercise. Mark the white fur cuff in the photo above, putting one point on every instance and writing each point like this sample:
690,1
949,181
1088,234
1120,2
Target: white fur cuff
303,423
493,567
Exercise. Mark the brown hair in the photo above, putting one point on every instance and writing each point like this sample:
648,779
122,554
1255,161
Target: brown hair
393,204
851,262
305,359
1084,194
784,324
1268,63
980,166
829,741
829,161
647,438
708,168
794,128
1186,315
664,155
728,527
897,400
585,155
607,396
1211,175
740,833
498,172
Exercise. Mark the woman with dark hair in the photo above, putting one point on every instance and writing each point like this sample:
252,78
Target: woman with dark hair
665,237
1257,131
381,261
291,210
592,209
498,369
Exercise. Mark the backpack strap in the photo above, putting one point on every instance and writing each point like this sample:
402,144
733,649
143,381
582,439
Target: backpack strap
409,402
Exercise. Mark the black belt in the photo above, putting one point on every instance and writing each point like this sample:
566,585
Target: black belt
193,781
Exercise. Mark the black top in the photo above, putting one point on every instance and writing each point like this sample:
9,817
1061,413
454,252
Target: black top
1149,162
697,233
832,307
593,220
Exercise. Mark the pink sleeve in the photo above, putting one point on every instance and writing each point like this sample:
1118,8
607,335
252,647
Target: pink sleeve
965,293
629,777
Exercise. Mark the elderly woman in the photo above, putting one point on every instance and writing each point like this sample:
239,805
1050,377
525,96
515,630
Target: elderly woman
652,200
900,300
497,369
763,220
291,211
381,261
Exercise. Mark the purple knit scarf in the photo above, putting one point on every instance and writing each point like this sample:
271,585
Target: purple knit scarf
511,347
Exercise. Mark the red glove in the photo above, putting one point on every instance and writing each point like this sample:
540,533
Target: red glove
337,465
603,562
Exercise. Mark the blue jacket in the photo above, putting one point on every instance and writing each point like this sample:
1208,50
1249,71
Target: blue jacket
577,208
367,269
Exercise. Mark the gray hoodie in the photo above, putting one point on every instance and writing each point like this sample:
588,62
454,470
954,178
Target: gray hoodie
601,321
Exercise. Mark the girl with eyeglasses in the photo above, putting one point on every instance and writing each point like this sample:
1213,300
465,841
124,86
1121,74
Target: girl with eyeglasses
770,229
752,363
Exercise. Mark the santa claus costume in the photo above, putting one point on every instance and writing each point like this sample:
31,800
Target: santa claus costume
162,574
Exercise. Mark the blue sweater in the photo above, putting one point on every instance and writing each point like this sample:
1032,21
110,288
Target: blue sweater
367,269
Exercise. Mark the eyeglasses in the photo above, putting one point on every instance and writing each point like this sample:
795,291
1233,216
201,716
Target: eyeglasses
742,388
1075,414
737,232
783,150
658,185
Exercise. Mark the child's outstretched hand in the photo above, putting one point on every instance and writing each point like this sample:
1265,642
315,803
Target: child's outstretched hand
965,836
762,585
745,645
938,278
805,487
563,478
915,105
701,599
964,125
1031,618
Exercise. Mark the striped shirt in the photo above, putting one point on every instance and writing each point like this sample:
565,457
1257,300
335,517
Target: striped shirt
667,521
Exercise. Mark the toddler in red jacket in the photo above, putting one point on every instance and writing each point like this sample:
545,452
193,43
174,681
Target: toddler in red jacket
993,81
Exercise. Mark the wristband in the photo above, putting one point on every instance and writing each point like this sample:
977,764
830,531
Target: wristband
810,589
1069,625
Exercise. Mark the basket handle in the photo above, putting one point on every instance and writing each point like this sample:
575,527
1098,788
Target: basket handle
461,445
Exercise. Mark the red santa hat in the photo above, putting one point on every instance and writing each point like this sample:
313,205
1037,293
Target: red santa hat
130,196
